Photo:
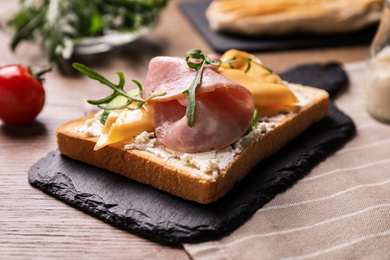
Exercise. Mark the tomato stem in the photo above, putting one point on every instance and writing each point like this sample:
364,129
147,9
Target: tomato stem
38,75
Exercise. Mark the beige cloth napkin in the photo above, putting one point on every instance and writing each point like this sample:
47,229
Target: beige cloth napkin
341,210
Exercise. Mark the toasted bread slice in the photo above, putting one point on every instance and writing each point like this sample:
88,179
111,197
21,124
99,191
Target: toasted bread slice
183,180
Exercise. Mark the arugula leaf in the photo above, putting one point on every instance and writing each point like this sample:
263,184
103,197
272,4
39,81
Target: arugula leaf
127,98
117,102
199,67
248,61
253,122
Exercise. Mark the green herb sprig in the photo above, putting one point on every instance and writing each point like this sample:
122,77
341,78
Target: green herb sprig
199,67
118,90
253,122
248,61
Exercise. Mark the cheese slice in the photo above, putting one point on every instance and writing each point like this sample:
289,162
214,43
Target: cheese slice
265,94
267,88
256,71
124,124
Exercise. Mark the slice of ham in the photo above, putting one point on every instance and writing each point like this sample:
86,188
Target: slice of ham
173,76
224,109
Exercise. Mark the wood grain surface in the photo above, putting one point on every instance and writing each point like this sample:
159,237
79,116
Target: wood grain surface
34,225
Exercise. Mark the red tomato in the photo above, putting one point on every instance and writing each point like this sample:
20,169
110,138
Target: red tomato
21,95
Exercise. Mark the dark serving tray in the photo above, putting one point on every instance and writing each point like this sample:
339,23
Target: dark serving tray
146,211
222,42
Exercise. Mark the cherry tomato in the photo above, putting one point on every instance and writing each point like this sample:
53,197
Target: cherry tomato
21,95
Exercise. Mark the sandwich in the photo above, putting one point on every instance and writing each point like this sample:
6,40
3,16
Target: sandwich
196,127
284,17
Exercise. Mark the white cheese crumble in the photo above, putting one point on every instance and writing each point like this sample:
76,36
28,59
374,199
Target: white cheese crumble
92,127
207,162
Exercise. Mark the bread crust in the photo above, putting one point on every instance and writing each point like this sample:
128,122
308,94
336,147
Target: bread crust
183,181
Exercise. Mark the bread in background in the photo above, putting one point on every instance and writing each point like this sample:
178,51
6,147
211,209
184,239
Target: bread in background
281,17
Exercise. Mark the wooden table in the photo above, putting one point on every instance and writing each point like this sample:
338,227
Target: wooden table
33,224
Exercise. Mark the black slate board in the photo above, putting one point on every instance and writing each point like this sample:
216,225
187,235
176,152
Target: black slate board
146,211
222,42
